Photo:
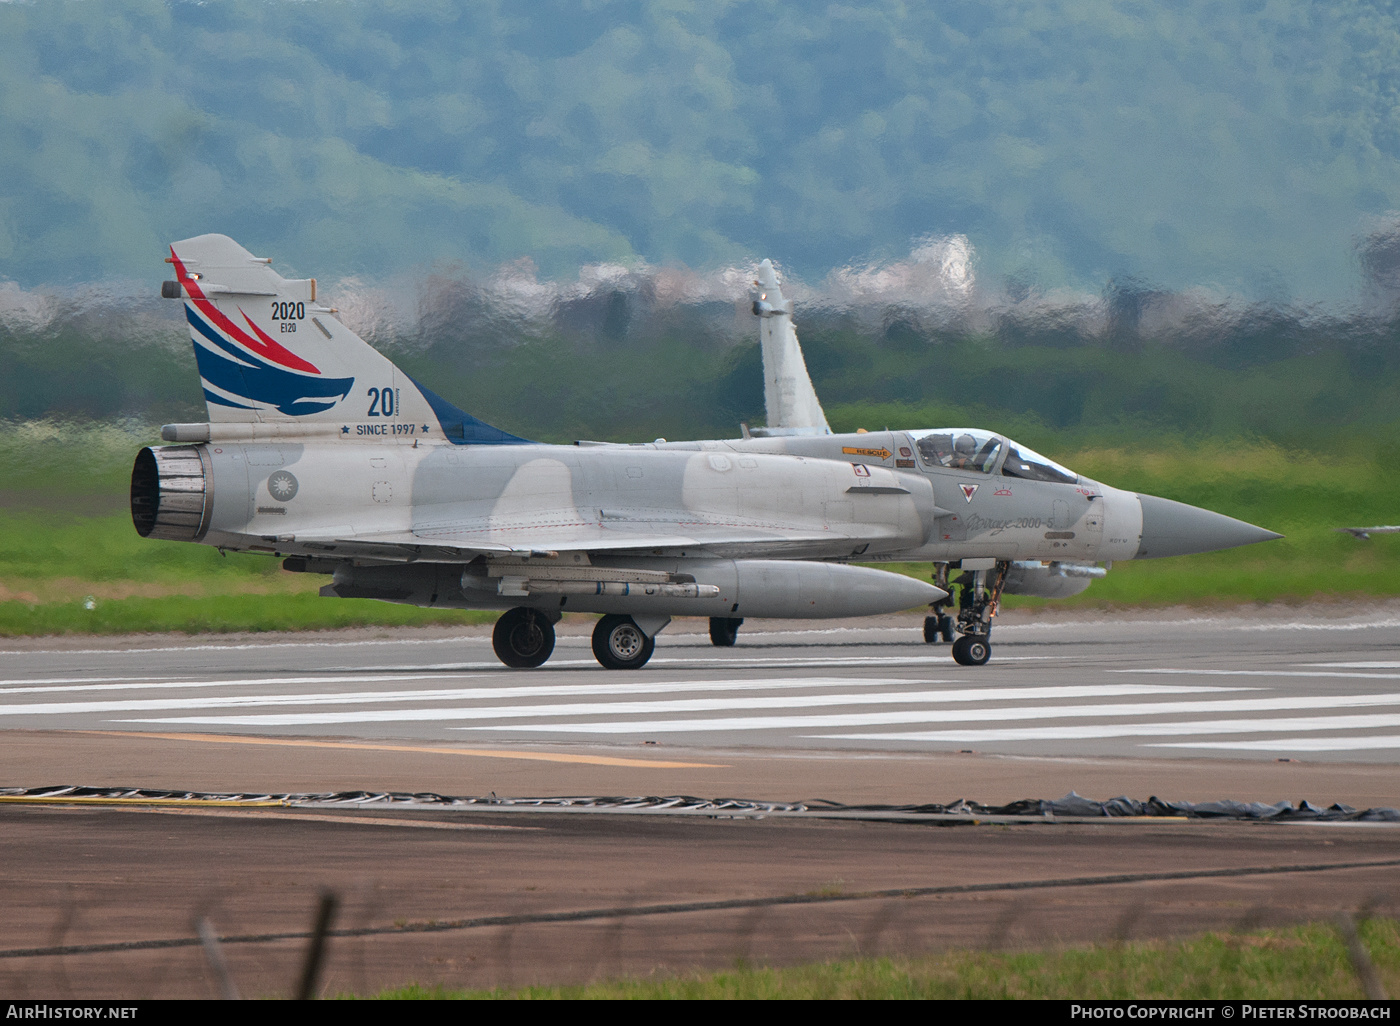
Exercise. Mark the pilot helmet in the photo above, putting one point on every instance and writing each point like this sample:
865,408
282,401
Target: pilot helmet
965,445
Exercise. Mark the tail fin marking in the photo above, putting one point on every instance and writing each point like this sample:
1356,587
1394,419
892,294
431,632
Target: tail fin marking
324,373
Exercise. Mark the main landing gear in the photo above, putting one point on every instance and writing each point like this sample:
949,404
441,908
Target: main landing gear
724,630
938,625
978,601
619,644
524,638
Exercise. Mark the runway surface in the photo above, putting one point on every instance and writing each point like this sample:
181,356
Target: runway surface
1263,688
104,902
1255,706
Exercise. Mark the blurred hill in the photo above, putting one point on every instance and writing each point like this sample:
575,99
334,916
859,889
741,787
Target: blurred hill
1243,148
1069,220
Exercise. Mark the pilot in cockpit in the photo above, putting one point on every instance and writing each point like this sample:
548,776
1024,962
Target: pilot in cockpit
964,453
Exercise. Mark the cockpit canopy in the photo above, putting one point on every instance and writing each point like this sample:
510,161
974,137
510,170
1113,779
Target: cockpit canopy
958,449
981,451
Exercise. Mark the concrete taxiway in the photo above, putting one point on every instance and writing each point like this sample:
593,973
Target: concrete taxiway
1183,706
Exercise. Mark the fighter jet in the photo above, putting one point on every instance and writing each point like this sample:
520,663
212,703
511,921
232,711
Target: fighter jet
1011,520
322,452
791,406
1366,532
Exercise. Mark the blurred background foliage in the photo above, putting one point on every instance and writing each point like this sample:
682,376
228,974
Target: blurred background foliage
1244,146
1161,245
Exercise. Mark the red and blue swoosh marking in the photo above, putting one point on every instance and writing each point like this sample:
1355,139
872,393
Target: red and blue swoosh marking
253,367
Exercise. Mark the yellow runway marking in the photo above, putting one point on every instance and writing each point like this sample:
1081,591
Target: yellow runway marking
483,753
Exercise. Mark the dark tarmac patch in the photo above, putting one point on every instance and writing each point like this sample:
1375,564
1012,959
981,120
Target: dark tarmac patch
587,897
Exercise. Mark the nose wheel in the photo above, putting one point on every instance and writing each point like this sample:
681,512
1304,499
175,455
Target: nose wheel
523,638
977,605
619,644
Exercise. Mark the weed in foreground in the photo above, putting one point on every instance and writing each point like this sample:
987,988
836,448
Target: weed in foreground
1303,962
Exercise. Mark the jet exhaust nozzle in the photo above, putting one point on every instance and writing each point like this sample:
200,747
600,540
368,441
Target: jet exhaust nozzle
171,497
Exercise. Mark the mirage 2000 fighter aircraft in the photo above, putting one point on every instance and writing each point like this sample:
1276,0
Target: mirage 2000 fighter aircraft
1011,520
321,451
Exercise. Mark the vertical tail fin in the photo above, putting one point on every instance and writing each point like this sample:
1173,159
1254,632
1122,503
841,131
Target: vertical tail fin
269,353
788,396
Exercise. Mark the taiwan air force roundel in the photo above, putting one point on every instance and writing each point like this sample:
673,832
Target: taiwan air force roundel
283,486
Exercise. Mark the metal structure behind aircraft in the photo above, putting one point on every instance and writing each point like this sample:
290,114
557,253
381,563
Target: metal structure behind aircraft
319,450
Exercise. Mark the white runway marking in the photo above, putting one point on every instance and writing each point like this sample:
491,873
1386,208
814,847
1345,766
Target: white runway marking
1389,665
1293,744
703,694
732,662
746,661
671,706
85,681
156,684
1263,673
536,690
983,715
1316,625
1082,733
463,694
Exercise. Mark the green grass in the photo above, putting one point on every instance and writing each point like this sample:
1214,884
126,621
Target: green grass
220,614
65,538
1304,962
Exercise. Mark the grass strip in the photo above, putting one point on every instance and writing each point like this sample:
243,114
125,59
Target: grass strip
1301,962
65,572
222,614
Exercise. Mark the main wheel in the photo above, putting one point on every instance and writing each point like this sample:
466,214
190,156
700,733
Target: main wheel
971,651
619,644
945,627
724,630
523,638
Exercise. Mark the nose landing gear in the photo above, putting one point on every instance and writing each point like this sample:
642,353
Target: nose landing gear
970,650
977,605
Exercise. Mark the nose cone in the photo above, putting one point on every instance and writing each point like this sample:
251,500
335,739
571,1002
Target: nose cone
1176,529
